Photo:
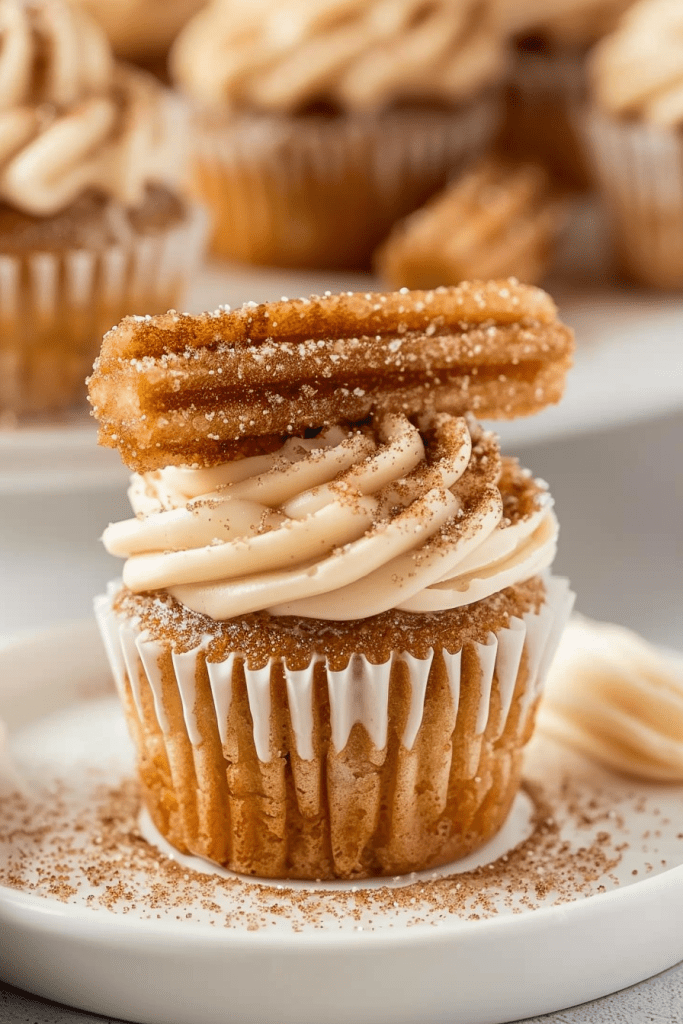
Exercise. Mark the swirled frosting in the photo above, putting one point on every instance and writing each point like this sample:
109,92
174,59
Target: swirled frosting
70,118
637,71
344,525
617,699
359,54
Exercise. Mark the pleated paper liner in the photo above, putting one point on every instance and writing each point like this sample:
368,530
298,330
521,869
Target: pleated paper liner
55,307
323,191
376,769
639,170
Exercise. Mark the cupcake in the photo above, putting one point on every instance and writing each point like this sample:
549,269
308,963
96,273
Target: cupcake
142,30
548,79
336,612
495,221
634,131
91,226
318,126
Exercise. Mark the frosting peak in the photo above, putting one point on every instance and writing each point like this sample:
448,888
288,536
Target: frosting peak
359,55
344,525
637,71
50,53
70,118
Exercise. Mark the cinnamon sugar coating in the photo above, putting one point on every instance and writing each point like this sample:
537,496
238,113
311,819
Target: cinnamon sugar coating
497,219
183,390
294,640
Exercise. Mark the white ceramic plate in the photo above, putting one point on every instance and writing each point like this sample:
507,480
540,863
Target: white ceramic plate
629,367
353,957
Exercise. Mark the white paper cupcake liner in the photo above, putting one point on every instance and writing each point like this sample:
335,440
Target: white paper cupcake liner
357,694
639,170
322,773
317,191
55,307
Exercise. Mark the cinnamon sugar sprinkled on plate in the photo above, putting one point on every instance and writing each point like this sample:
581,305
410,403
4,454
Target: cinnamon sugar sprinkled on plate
80,844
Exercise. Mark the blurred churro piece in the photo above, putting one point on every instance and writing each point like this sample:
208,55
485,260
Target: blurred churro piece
495,221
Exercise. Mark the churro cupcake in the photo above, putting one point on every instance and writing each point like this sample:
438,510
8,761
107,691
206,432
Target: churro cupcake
91,226
318,126
549,80
634,131
496,221
336,614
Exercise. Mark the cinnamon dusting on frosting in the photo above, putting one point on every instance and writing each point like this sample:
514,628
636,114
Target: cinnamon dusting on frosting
340,526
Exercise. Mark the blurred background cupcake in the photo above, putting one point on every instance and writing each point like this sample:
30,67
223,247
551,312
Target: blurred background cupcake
320,124
91,224
633,129
142,30
551,39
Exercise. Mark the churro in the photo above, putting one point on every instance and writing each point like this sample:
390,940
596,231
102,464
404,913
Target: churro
195,390
495,221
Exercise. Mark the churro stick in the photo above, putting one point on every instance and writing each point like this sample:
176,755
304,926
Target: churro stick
495,221
185,390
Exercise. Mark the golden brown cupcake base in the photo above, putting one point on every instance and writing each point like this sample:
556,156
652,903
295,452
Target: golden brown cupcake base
65,280
179,390
340,813
321,191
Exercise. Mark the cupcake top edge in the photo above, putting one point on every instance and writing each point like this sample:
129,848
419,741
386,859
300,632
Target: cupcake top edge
354,55
192,390
636,72
72,119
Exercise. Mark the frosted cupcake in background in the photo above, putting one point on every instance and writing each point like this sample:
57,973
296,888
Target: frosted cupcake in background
91,224
320,124
142,30
336,613
634,131
549,79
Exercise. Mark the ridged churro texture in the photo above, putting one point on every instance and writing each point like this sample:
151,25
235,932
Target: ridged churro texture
195,390
496,220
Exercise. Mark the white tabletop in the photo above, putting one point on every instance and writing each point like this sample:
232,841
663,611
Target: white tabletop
619,496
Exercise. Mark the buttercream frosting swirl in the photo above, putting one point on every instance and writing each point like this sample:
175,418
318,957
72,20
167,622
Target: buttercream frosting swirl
71,119
344,525
358,54
618,699
637,71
